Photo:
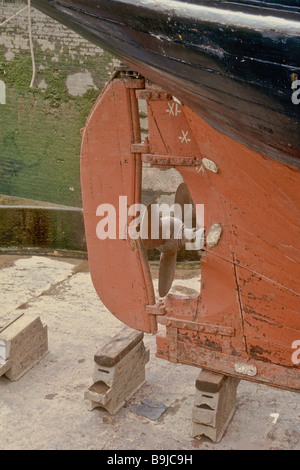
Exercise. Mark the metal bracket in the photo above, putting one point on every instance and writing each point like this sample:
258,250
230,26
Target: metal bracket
169,160
140,148
200,327
174,325
153,95
156,309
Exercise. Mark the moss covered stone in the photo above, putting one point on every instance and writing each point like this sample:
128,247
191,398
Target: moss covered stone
40,127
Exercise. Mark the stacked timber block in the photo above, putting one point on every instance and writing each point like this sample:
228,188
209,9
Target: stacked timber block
215,404
119,370
23,342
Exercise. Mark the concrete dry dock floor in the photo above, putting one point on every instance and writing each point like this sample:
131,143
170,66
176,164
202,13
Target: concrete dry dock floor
45,409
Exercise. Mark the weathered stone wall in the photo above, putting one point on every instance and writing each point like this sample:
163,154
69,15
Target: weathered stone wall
50,37
40,127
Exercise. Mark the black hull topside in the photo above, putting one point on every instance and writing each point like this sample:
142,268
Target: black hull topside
234,63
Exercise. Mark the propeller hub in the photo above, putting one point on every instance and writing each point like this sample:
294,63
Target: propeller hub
168,235
172,231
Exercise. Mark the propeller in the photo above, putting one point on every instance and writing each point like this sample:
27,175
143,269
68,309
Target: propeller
168,234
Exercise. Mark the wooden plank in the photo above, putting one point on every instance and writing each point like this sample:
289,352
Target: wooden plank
129,379
23,343
114,385
120,396
114,349
111,375
213,422
5,367
209,381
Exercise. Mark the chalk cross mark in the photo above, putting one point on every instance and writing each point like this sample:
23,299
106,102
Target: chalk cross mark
184,137
173,109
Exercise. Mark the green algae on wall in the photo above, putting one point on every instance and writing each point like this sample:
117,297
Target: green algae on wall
40,127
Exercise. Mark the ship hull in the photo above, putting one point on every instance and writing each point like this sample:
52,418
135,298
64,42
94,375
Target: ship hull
232,133
244,319
234,68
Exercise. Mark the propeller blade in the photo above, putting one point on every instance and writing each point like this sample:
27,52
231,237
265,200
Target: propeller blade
167,268
194,217
151,225
183,196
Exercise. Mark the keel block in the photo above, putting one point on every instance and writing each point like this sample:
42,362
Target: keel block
119,371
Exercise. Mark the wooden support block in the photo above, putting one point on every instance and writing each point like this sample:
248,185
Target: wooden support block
209,381
23,343
119,371
215,404
113,399
114,349
4,367
112,375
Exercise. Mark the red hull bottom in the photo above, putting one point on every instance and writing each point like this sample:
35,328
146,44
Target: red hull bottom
245,321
